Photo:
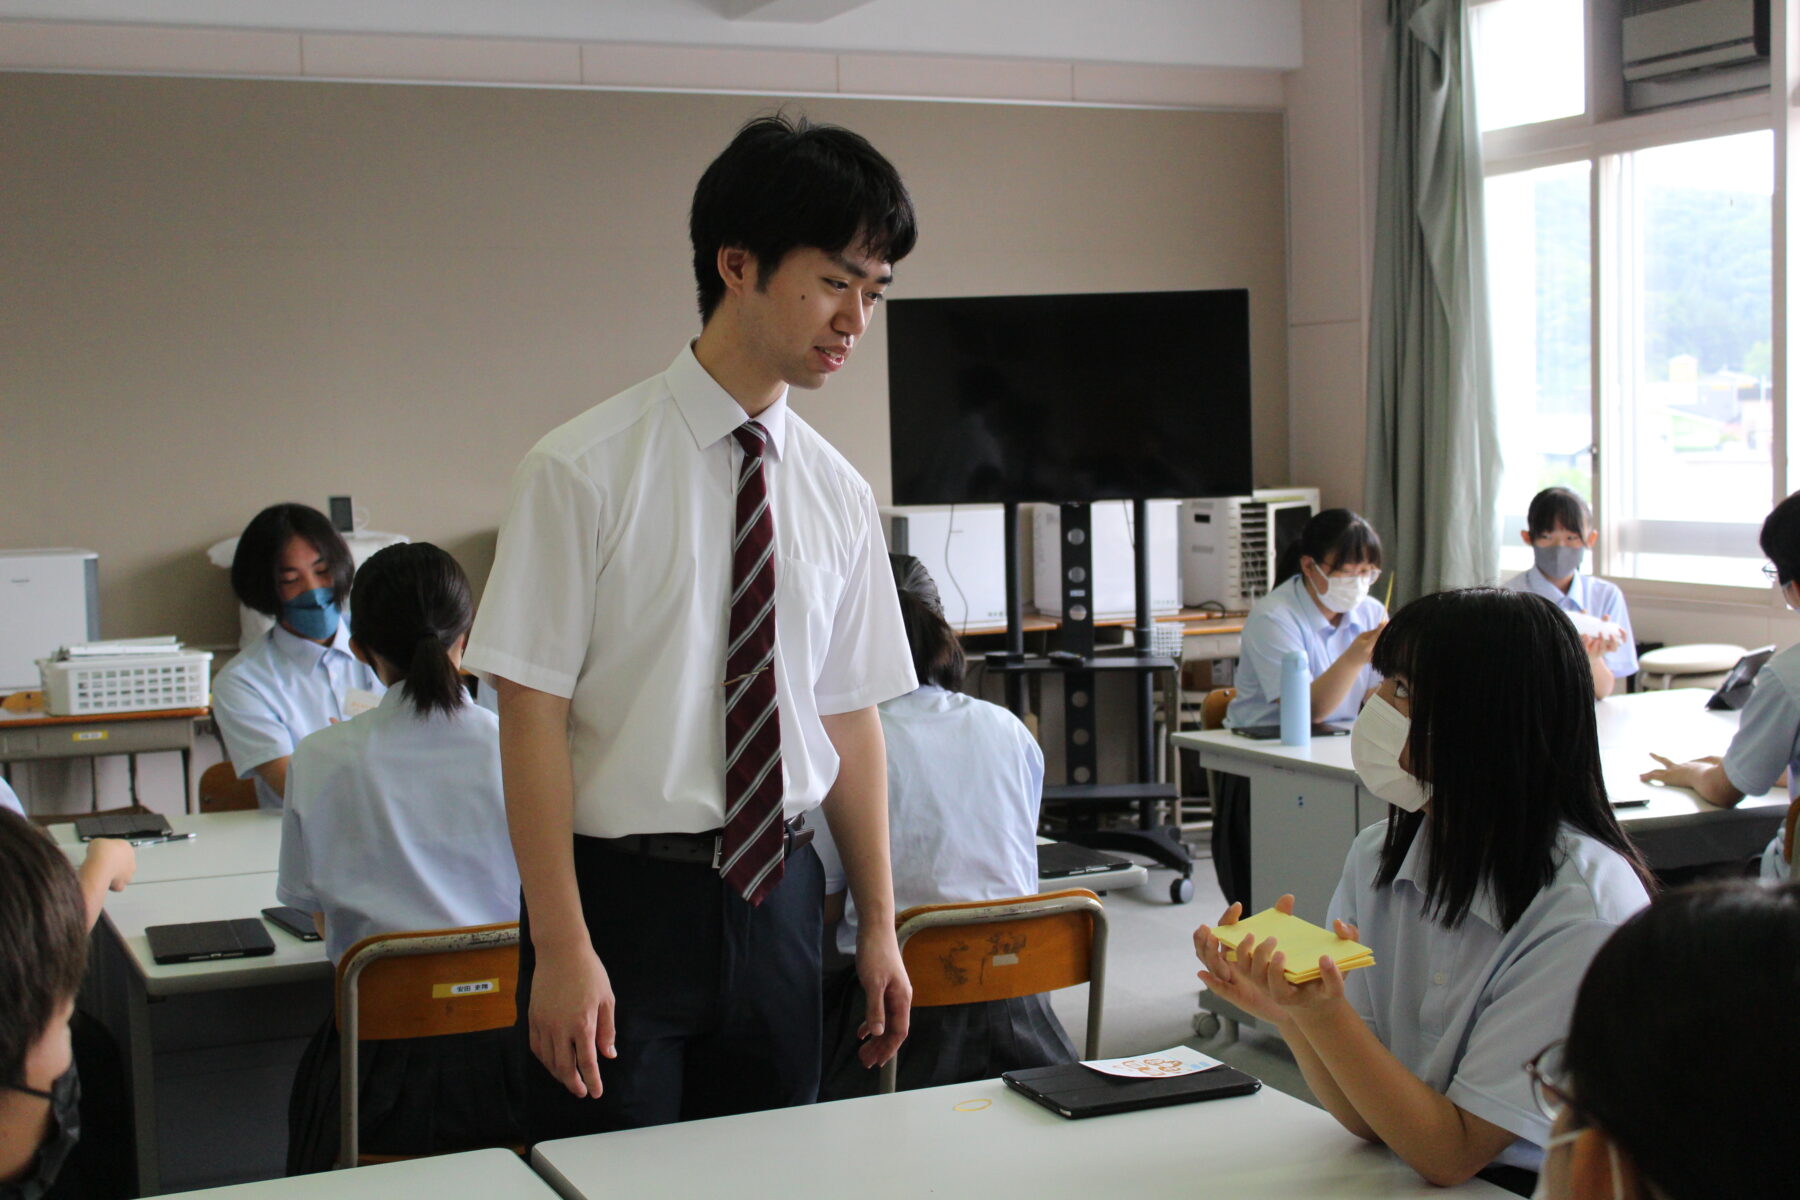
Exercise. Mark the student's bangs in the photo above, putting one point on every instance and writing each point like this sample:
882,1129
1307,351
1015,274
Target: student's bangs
1503,733
1356,543
1558,507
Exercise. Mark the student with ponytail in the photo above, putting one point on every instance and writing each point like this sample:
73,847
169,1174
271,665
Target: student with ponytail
395,821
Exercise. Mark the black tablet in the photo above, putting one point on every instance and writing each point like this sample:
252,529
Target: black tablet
1268,733
202,941
1074,1091
130,827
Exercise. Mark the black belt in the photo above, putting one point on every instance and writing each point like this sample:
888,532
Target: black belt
696,847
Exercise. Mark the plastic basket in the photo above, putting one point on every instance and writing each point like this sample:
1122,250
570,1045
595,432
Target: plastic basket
134,683
1166,638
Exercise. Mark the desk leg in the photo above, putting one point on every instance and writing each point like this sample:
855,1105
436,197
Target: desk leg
187,777
139,1060
131,773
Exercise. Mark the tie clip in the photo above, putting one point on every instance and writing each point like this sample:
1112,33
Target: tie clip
748,675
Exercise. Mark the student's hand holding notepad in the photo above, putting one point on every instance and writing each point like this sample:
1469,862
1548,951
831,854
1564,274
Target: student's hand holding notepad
1248,960
1304,946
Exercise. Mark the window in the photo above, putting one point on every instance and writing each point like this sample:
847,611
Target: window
1629,263
1528,61
1540,291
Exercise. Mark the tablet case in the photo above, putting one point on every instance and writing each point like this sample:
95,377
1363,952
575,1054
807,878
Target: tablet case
1064,860
1074,1091
202,941
1268,733
1734,690
130,827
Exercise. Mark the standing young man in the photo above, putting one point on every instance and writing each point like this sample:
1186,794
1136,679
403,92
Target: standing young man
689,624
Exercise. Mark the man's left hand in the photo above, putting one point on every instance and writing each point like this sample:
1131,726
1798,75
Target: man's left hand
889,994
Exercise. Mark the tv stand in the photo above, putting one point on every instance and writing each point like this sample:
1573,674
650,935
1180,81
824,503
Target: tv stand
1081,797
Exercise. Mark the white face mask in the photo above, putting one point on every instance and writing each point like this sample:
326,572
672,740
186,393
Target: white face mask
1376,741
1554,1182
1342,592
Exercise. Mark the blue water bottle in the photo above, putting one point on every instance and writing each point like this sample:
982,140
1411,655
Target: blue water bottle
1296,700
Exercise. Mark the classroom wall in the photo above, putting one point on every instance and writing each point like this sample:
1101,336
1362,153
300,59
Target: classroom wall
223,293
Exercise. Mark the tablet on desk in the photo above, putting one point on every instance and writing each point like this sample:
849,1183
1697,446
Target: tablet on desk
1268,733
203,941
1074,1091
136,828
1065,860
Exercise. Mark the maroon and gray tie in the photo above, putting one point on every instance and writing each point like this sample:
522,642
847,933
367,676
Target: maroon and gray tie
750,853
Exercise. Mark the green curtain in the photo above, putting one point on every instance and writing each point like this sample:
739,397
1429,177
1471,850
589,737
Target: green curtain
1433,463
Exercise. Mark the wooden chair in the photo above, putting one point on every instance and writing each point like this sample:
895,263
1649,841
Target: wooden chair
222,791
409,985
998,949
1787,835
1212,709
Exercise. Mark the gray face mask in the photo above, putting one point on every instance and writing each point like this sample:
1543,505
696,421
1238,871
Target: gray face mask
65,1113
1558,562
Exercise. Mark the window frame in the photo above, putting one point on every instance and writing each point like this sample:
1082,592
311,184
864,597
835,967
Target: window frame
1598,136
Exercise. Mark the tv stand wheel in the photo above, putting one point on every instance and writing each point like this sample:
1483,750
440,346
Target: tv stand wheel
1181,890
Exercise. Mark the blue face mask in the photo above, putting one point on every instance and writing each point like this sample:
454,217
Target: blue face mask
311,614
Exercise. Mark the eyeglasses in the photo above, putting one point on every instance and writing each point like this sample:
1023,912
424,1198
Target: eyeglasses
1549,1072
1771,572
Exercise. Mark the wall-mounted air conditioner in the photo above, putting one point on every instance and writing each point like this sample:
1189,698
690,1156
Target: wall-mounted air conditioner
1676,51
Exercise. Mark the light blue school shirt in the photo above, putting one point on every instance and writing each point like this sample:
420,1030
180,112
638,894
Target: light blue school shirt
1595,597
10,798
397,822
1465,1008
1287,619
278,691
1768,742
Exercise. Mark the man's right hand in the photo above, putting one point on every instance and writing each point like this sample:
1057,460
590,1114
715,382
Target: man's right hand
572,1018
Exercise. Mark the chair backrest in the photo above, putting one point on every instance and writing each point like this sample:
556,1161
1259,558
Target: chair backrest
997,949
222,791
1787,832
1212,709
423,984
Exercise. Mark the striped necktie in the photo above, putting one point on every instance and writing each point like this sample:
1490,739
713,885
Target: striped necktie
750,854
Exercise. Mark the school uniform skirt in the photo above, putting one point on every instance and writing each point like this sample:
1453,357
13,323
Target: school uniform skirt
417,1096
953,1043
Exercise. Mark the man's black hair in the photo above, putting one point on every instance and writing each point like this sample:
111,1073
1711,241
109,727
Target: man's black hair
1558,507
253,567
784,183
1781,538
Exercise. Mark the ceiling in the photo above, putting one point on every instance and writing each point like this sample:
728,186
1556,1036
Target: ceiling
1261,34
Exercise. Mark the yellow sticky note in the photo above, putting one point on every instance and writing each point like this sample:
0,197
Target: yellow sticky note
1301,941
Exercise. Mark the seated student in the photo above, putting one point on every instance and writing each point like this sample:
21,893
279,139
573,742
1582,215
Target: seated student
1559,530
395,821
1637,1118
9,799
1497,875
1767,743
46,910
290,565
964,781
1320,605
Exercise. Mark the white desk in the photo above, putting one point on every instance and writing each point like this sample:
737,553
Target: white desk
1307,804
230,843
183,1013
980,1140
490,1174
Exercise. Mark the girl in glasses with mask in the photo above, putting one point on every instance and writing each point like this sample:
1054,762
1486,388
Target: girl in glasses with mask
1767,742
1636,1119
1560,531
1320,606
293,566
1496,877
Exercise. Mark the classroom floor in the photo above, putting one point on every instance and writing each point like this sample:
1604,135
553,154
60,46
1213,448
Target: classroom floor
1151,991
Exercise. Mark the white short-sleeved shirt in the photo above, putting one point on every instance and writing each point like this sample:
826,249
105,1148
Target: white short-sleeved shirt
398,822
611,584
278,691
1465,1008
1597,598
1287,619
10,798
965,778
1768,742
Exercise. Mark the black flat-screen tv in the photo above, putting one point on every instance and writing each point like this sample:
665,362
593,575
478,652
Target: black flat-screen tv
1063,398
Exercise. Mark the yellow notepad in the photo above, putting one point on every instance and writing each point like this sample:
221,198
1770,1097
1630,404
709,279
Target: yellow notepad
1303,942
